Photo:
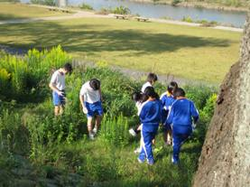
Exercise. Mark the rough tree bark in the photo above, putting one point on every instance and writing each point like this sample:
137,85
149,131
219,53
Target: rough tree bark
225,157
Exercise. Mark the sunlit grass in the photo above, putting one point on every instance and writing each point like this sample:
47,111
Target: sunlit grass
19,11
190,52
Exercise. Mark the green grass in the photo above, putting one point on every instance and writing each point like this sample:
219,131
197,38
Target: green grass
20,11
190,52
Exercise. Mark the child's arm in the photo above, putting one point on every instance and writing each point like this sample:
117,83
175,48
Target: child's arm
100,92
84,109
194,112
52,85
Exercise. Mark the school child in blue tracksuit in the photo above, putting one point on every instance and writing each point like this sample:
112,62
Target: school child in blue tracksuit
167,100
182,114
150,117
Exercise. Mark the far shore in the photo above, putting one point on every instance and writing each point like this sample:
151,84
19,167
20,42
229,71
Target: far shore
198,5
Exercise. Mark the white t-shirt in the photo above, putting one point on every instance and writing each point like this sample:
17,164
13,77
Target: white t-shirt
90,95
144,86
58,79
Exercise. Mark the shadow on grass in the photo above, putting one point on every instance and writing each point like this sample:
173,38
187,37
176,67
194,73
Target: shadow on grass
4,17
87,38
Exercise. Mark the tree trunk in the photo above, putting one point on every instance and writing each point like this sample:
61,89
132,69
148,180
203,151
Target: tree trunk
225,157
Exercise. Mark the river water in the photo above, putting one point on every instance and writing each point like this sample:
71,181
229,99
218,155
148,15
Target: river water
229,18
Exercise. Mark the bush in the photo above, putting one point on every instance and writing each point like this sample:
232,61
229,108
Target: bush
29,75
175,2
199,94
121,10
187,19
86,7
44,2
115,130
4,81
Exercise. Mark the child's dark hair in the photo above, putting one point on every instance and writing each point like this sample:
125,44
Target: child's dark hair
150,92
95,84
68,67
136,96
139,96
152,77
179,92
172,86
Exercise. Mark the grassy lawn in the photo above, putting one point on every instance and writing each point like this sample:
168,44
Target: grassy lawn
20,11
189,52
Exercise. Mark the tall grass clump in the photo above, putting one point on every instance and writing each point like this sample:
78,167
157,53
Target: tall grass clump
29,75
4,81
115,130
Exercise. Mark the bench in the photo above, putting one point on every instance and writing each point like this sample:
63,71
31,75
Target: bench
141,19
52,9
64,10
58,9
120,16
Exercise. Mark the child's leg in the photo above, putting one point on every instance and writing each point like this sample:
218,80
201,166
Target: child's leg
147,145
89,124
98,122
56,111
178,140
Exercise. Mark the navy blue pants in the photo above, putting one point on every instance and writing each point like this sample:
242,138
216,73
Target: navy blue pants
180,135
147,135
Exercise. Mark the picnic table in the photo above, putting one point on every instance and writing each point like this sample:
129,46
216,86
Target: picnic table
141,19
119,16
58,9
52,9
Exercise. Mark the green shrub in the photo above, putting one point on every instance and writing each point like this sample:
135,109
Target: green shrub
199,94
121,10
30,75
115,130
4,81
44,2
13,135
187,19
175,2
86,7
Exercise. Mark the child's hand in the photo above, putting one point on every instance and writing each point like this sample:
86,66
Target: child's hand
139,128
85,110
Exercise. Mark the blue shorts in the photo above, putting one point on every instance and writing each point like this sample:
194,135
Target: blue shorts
58,99
94,109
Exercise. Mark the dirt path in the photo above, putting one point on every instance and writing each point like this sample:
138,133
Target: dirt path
87,14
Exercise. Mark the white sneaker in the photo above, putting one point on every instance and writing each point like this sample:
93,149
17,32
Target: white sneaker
132,132
137,150
91,136
94,131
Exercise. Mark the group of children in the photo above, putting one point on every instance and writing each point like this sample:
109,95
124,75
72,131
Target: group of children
175,112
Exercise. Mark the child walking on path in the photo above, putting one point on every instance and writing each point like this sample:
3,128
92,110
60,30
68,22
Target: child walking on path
90,98
182,113
57,85
167,100
150,117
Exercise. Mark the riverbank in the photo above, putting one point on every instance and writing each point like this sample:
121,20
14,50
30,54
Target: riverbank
203,5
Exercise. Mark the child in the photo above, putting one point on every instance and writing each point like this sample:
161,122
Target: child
180,116
57,85
138,98
150,116
90,98
167,100
151,79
